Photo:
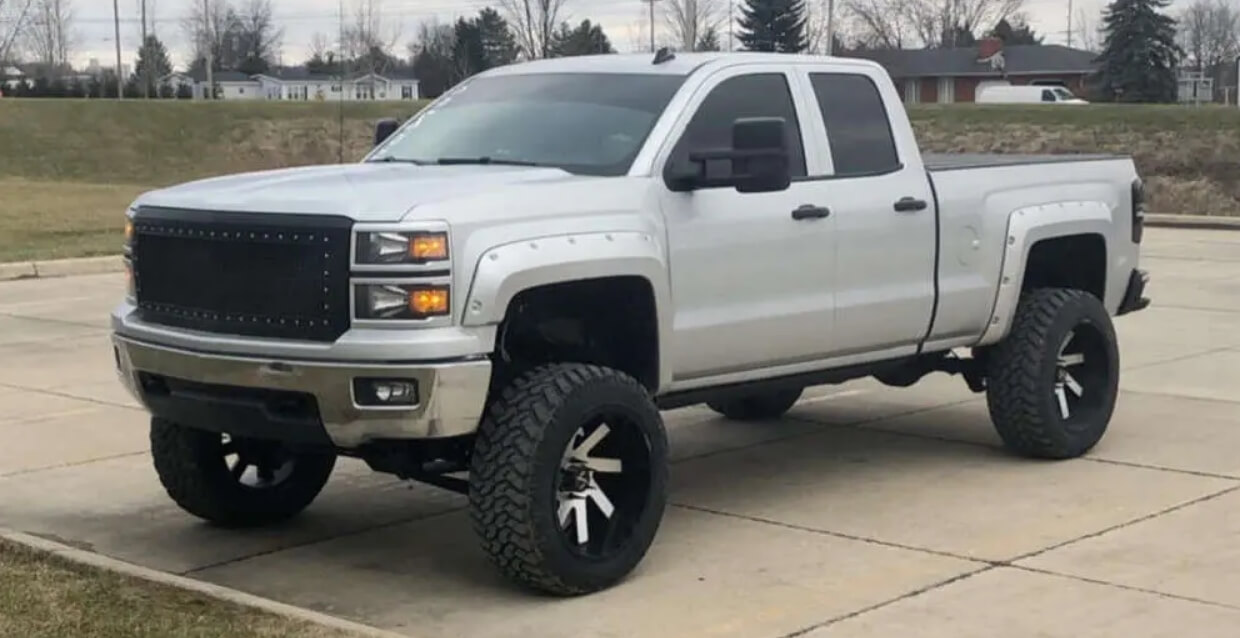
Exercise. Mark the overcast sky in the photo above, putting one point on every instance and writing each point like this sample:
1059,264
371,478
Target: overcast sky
301,19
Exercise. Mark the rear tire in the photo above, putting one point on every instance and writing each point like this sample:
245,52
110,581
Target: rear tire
1052,383
556,434
265,484
756,407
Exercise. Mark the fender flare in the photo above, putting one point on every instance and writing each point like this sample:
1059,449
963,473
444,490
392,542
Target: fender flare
1028,226
505,271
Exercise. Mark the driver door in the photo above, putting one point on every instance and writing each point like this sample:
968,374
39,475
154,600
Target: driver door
753,284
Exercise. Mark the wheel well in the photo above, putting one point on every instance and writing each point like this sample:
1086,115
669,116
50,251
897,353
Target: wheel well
609,321
1074,261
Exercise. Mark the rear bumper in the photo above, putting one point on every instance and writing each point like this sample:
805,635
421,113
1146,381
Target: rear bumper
1134,297
308,402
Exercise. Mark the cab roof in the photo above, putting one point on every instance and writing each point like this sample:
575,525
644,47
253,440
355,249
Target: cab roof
681,64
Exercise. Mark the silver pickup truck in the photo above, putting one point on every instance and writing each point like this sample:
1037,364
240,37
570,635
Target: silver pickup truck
502,296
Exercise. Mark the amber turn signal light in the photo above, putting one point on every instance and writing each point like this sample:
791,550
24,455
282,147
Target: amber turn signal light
429,302
429,247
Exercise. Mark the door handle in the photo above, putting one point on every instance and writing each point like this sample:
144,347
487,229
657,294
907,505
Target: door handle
909,204
810,211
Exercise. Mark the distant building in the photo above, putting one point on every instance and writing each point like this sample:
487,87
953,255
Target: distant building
955,74
298,84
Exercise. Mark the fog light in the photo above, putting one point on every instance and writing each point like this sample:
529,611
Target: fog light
385,392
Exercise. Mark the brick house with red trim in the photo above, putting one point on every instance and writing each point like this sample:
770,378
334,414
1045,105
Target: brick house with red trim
955,74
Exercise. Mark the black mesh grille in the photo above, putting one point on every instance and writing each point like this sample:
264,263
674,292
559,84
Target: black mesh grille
262,275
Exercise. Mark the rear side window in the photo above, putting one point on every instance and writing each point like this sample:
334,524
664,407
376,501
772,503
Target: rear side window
757,95
857,126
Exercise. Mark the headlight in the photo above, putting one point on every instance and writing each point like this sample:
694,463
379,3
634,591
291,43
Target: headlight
401,301
131,289
401,248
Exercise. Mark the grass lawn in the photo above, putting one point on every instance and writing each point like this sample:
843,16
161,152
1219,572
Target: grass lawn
53,220
42,596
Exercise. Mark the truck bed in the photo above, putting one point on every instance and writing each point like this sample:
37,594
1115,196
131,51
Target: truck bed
956,161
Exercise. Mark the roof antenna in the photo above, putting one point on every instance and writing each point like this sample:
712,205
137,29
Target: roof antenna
664,55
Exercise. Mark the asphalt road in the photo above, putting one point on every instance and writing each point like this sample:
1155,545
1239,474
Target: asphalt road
868,511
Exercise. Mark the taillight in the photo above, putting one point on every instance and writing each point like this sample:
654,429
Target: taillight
1138,210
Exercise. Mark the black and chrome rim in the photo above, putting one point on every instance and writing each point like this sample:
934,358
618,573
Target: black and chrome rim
257,465
1082,374
603,486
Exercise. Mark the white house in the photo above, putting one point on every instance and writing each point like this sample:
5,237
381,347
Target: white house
298,84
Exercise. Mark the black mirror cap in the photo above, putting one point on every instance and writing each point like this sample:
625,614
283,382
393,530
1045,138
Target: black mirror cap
762,165
384,129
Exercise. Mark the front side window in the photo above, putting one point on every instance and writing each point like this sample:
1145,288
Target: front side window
743,96
858,130
583,123
1048,95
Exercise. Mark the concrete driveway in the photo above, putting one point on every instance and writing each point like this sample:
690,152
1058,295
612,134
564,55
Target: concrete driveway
868,511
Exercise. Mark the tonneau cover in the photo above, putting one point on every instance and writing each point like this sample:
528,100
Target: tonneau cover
958,161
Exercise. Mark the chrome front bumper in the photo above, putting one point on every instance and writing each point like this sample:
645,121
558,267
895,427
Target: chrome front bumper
451,394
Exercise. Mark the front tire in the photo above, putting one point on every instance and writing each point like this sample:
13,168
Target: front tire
1052,383
568,479
234,481
756,407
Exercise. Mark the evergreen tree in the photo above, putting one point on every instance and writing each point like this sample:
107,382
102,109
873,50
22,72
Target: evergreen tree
773,25
1018,33
587,39
1139,52
152,65
483,42
709,41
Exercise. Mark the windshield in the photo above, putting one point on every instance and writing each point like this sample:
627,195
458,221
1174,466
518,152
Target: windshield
584,123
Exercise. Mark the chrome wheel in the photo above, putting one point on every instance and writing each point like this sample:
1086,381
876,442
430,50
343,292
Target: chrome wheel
1082,371
603,486
256,465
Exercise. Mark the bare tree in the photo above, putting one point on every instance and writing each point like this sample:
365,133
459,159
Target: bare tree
14,18
320,46
882,24
689,20
939,21
1086,31
1209,32
534,23
929,23
49,34
258,37
369,40
207,26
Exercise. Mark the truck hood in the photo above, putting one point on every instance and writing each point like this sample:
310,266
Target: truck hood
365,192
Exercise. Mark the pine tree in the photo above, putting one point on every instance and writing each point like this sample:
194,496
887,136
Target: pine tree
586,39
152,65
1139,53
773,25
709,40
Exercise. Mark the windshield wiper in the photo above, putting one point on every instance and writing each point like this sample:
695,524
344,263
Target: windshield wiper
391,160
447,161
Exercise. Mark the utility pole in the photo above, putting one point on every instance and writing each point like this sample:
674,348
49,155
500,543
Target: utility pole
731,23
830,27
1069,24
146,70
210,46
651,3
120,80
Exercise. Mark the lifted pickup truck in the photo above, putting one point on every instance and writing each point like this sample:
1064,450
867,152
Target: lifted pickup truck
503,295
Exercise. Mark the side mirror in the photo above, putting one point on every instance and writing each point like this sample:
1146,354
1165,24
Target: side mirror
758,160
763,164
384,129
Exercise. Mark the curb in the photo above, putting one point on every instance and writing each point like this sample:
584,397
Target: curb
217,592
1200,222
61,268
